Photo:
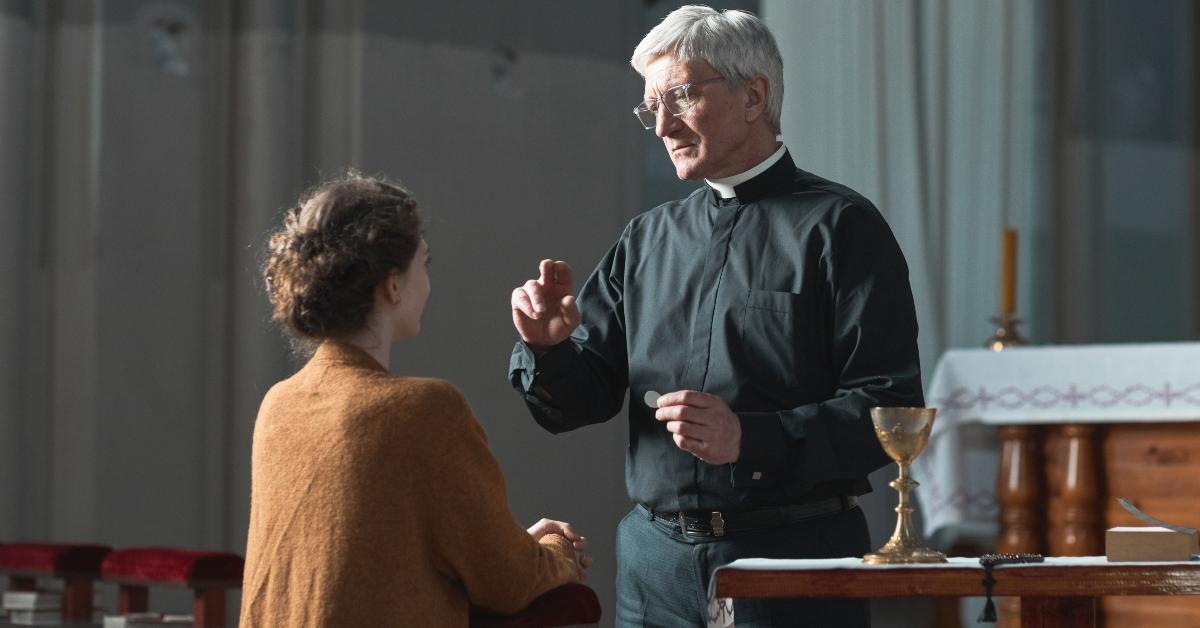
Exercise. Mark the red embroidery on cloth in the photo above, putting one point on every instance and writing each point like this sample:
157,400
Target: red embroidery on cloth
1043,397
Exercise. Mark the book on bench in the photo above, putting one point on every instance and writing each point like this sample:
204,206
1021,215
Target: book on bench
45,617
146,620
32,600
39,600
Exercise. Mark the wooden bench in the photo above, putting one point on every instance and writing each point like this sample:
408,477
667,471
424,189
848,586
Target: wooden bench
207,573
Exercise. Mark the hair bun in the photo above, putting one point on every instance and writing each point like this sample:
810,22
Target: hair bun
335,246
307,245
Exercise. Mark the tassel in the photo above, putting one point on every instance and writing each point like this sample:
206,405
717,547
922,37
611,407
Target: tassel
988,561
988,616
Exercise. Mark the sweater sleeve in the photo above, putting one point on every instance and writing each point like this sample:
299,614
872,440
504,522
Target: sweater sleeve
478,540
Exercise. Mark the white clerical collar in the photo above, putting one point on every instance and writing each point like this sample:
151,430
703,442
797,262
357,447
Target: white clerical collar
724,186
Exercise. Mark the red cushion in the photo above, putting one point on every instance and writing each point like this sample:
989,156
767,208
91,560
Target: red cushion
167,564
564,606
52,559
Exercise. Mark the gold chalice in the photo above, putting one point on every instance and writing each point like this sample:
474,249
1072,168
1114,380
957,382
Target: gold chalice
903,433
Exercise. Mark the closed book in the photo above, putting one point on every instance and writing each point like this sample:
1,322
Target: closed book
32,600
146,620
35,618
1148,543
133,620
45,618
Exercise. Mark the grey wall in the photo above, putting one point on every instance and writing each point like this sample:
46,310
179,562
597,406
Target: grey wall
146,147
15,280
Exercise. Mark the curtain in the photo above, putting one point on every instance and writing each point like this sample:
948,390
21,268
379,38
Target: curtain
930,108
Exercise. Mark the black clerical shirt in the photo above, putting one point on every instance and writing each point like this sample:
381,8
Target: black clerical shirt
790,302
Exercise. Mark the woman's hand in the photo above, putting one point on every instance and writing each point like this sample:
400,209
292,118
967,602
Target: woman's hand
564,529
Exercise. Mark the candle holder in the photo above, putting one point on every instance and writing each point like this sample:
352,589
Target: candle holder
1006,336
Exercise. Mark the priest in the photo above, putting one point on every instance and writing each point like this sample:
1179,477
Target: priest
752,324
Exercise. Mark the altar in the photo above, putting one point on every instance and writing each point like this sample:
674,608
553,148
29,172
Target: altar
1032,446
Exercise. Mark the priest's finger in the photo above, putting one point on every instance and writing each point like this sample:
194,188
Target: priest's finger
561,274
537,297
689,430
692,398
570,312
689,445
521,302
669,413
545,271
687,414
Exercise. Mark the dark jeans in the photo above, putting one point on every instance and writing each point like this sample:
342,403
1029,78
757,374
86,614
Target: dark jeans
663,575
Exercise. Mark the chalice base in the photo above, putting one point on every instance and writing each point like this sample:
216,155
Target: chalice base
889,555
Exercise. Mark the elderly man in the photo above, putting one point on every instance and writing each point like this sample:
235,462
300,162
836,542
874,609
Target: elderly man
753,323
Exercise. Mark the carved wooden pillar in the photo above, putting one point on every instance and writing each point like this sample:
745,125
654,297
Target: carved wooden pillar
1019,489
1074,483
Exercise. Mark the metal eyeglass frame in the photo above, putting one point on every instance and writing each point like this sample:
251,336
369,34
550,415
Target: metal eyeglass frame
682,102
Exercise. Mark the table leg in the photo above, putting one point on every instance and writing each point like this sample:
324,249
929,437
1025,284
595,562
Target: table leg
208,607
77,600
1019,489
1058,612
1073,468
132,598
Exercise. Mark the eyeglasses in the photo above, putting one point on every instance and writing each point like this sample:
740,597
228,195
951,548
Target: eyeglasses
676,99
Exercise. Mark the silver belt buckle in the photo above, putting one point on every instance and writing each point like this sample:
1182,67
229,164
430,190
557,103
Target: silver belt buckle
683,525
718,523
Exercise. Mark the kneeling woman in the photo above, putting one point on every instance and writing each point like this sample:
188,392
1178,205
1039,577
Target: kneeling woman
374,498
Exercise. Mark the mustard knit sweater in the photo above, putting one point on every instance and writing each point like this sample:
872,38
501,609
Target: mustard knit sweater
375,501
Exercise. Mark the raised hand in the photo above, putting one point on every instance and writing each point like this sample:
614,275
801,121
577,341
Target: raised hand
543,309
702,425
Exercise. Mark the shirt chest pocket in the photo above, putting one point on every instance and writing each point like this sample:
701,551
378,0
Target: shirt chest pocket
780,343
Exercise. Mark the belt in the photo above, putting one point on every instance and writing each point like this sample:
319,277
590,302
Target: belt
717,523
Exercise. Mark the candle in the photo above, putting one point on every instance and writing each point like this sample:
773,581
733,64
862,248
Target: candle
1008,272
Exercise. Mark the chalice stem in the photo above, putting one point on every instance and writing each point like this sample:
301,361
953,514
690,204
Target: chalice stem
904,536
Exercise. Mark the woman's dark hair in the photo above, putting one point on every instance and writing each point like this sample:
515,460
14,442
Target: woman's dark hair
341,239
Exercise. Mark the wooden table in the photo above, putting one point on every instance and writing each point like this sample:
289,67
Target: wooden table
1063,591
1032,447
1060,494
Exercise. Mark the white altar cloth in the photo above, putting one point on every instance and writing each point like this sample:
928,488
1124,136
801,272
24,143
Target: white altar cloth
961,562
978,389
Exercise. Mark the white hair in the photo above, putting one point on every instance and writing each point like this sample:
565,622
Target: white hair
735,43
